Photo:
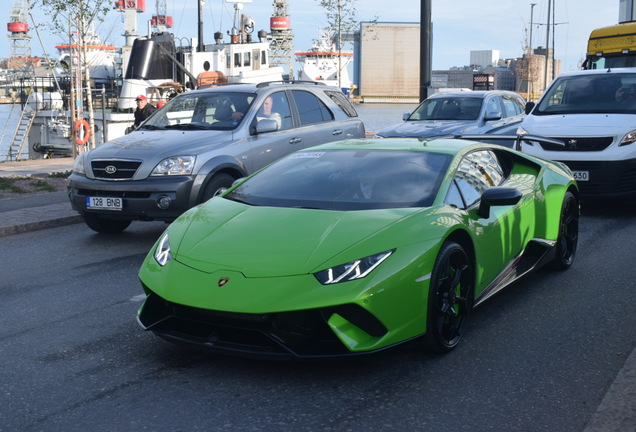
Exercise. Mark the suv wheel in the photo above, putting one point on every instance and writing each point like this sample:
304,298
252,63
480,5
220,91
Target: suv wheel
217,185
104,225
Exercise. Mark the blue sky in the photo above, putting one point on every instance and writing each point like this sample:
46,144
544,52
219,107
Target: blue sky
459,26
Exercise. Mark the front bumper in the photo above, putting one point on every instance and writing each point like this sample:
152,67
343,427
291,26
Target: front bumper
140,198
606,178
281,335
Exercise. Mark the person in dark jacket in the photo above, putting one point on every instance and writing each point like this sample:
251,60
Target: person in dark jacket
143,111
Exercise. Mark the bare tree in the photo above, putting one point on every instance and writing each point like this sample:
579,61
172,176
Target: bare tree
73,20
341,18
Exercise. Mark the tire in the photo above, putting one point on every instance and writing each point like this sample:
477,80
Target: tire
217,185
104,225
450,298
568,233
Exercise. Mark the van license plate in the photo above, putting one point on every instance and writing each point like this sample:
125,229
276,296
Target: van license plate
104,203
581,175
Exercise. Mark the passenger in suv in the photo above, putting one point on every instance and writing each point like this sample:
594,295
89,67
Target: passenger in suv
197,146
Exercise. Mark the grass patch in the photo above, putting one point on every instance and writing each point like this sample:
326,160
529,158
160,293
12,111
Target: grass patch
60,174
9,184
23,185
42,186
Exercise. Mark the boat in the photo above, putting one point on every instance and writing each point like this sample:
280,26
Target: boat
155,67
322,62
101,59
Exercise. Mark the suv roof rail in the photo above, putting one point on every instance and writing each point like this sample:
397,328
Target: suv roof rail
267,83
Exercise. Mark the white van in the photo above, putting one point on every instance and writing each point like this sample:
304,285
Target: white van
594,113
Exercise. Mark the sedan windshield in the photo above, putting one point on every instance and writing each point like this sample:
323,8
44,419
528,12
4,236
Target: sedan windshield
448,108
595,93
347,180
202,110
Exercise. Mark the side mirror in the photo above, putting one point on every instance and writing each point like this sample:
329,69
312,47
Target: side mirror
529,107
406,116
493,115
266,125
497,196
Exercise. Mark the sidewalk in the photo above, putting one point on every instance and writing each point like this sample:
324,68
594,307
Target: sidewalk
616,412
35,211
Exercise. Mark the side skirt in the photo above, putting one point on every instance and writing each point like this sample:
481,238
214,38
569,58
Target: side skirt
537,253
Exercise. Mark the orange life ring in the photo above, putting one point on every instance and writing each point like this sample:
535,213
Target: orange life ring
82,132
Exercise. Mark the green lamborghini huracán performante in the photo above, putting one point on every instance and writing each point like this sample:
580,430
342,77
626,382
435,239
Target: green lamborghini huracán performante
356,246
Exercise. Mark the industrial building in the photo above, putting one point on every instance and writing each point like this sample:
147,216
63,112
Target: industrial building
387,67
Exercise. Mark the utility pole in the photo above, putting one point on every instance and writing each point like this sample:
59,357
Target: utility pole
547,47
530,73
425,48
532,5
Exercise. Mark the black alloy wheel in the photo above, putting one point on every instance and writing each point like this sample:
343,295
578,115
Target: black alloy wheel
450,298
568,233
217,185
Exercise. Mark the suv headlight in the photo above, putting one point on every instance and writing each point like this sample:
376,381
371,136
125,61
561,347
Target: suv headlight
78,166
176,165
352,270
628,139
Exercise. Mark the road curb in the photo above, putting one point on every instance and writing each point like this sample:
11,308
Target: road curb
617,410
39,225
37,218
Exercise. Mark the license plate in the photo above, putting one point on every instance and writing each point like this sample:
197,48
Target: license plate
581,175
104,203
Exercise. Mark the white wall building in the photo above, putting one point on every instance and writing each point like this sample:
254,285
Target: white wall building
484,58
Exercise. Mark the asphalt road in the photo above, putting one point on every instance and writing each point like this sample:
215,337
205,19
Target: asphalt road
539,356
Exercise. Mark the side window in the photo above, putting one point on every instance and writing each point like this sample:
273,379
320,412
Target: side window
454,198
247,59
511,109
494,107
341,100
310,108
477,172
276,107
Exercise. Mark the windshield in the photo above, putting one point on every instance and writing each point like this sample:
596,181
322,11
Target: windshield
448,108
619,61
347,180
597,93
202,110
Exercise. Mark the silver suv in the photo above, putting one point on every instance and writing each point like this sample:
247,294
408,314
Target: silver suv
198,144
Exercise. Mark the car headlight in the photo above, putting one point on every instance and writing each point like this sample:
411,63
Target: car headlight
176,165
629,138
162,252
352,270
78,166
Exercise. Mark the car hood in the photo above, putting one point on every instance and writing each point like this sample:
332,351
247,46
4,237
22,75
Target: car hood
579,125
159,144
271,241
429,128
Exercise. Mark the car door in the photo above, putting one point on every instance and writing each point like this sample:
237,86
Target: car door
316,122
500,237
270,146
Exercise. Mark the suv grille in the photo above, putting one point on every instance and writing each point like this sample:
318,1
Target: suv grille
579,144
115,169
